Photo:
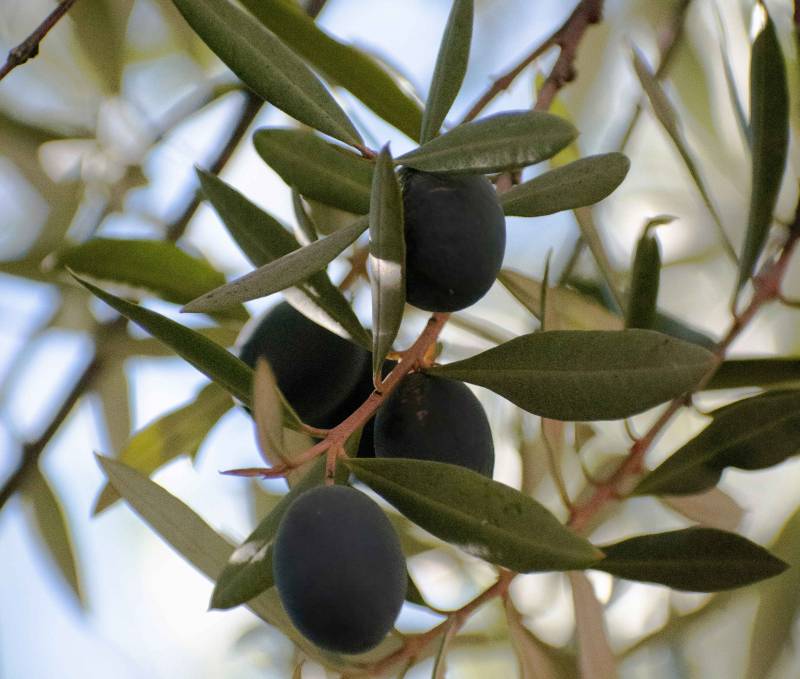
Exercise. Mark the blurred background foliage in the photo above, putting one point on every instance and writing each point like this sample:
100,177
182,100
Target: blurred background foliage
98,138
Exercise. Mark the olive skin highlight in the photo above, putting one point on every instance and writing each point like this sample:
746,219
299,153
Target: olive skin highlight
455,235
339,569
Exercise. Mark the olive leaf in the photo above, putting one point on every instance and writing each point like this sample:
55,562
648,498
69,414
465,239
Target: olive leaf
645,278
756,372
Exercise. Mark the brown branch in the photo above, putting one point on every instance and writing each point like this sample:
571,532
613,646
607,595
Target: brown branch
29,47
567,37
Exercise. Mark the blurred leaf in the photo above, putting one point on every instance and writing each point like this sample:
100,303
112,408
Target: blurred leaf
756,372
645,279
583,182
100,26
571,152
481,516
769,130
263,240
754,433
595,657
672,326
574,310
342,64
159,267
537,660
268,413
713,508
668,118
319,170
591,236
214,361
387,257
502,141
52,527
112,388
693,559
451,65
281,273
778,606
179,432
440,659
272,70
198,543
585,375
730,80
306,229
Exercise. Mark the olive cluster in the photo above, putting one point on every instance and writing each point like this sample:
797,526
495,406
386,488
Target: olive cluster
337,562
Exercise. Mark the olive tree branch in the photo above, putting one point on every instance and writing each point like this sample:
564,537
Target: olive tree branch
29,47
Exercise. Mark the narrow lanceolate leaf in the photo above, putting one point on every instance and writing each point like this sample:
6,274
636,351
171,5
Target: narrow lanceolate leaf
585,375
666,115
342,64
483,517
192,538
769,133
595,657
281,273
503,141
693,559
756,372
594,241
179,432
645,278
214,361
584,182
156,266
537,660
754,433
51,525
267,66
451,65
268,413
249,569
712,508
319,170
387,257
263,239
306,230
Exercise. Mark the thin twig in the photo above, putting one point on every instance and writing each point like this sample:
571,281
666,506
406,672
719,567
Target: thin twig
29,47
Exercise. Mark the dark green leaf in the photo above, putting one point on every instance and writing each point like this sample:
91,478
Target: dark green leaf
451,65
586,375
503,141
483,517
51,525
281,273
583,182
267,66
209,358
179,432
769,130
249,569
263,240
694,559
387,257
156,266
756,372
306,228
645,278
319,170
754,433
342,64
672,326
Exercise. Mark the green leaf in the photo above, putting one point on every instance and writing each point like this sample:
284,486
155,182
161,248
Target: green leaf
585,375
645,278
754,433
156,266
272,70
595,657
693,559
503,141
451,65
268,413
387,257
263,239
591,236
756,372
769,132
281,273
179,432
317,169
51,525
306,228
342,64
666,115
485,518
584,182
248,572
214,361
